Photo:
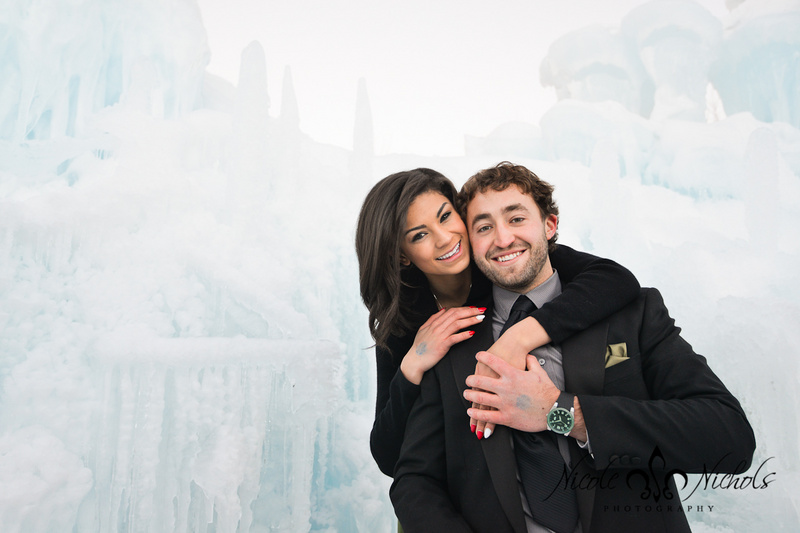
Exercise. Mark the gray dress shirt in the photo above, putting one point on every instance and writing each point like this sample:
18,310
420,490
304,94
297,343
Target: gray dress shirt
549,357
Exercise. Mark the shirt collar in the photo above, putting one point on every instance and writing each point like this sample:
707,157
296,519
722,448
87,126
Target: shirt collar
539,295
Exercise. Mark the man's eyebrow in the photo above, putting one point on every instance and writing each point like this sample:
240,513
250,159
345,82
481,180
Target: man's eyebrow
507,209
514,207
480,217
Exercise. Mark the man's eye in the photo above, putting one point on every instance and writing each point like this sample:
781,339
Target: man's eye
517,220
482,229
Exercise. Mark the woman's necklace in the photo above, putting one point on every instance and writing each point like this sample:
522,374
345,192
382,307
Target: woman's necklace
438,305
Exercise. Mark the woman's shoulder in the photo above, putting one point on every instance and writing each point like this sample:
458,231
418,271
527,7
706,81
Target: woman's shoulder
417,302
397,346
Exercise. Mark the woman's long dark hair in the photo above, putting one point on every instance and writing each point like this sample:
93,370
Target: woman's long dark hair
389,289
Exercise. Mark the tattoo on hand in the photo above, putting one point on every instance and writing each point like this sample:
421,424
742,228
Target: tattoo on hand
422,348
523,402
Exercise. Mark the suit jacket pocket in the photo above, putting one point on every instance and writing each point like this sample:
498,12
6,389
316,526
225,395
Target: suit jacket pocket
625,379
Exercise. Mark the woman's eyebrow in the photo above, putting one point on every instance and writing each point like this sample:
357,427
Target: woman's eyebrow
438,213
415,229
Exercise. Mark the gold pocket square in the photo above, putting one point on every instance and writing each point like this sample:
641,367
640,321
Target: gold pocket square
616,353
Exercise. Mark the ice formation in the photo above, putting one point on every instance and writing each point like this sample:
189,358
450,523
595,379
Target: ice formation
183,344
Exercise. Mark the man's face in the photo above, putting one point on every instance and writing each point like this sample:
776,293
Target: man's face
509,238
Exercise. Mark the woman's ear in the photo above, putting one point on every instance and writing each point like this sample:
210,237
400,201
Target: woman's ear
405,261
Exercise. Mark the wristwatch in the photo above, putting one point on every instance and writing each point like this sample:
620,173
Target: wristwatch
561,420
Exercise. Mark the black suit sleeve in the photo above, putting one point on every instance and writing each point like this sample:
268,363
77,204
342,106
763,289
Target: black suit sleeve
395,397
593,289
685,410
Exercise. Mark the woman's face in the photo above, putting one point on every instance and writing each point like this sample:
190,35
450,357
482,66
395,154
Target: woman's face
435,239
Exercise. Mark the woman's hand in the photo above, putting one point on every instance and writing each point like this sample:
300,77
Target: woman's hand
513,347
434,339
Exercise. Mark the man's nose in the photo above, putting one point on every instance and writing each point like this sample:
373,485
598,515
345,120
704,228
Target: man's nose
503,237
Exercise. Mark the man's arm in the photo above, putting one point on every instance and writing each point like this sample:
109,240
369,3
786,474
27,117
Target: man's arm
419,491
694,420
685,409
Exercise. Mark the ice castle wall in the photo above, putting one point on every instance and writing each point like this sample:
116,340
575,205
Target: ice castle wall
183,346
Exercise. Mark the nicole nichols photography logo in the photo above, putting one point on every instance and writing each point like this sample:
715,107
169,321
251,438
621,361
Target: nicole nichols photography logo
654,484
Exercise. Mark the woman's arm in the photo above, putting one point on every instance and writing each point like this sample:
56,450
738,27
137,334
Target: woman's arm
395,397
398,380
593,288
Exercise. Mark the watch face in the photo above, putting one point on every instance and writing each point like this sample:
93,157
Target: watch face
560,420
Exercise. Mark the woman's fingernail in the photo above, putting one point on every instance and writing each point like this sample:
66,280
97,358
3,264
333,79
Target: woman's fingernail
480,435
471,333
472,427
487,434
480,317
482,309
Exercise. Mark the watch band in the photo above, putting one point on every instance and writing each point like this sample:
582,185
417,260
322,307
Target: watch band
561,417
567,401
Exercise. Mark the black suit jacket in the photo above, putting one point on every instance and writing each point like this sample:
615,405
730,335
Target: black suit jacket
661,410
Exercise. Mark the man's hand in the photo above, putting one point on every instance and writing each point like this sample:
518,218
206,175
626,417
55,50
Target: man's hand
513,347
521,400
482,428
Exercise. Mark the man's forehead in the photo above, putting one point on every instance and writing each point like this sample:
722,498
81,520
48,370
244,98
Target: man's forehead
508,196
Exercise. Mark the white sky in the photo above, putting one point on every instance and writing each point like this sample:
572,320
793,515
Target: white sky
435,69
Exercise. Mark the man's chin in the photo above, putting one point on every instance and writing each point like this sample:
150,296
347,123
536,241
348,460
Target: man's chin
514,283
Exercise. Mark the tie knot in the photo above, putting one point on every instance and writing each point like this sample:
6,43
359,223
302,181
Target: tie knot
523,305
521,308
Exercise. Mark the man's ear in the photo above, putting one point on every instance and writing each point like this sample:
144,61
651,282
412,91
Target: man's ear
550,226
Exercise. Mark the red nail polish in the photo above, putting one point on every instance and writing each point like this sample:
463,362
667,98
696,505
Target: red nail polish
471,333
480,435
472,427
482,309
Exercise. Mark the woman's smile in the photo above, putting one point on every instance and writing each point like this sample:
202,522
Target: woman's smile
435,238
452,253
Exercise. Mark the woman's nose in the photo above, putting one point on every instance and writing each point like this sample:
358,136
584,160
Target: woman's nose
441,236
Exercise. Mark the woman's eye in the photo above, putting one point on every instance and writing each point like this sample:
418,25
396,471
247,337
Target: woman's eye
417,237
445,216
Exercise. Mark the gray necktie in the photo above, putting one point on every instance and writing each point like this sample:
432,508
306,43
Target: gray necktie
540,464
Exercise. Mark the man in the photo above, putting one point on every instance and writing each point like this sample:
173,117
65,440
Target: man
640,404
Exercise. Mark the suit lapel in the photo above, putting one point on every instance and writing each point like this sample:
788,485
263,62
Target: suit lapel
584,372
502,466
497,450
462,356
583,360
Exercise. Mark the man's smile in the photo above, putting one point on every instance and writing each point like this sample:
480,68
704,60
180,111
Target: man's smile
509,256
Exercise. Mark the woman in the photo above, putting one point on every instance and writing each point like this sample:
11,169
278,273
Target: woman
417,282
